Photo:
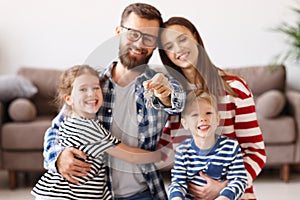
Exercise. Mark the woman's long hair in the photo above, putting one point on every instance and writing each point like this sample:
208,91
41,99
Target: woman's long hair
209,74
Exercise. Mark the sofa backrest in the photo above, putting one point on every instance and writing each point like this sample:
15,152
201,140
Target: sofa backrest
46,82
262,78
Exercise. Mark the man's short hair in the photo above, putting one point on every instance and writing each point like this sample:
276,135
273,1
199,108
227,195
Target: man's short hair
142,10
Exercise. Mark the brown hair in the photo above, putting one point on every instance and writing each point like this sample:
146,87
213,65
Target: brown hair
209,73
66,81
143,10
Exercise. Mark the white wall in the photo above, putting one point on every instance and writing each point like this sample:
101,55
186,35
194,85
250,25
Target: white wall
61,33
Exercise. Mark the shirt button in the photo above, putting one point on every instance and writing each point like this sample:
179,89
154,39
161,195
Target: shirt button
109,110
140,110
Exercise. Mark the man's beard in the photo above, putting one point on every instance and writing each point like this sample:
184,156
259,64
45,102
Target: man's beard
131,62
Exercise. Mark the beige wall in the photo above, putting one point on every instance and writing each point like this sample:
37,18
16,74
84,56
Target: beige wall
61,33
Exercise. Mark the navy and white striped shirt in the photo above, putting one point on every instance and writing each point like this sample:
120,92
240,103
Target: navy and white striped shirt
223,161
93,139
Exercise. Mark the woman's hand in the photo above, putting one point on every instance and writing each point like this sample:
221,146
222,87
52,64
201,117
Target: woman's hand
68,165
208,192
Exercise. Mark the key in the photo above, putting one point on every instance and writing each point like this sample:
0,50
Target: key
148,95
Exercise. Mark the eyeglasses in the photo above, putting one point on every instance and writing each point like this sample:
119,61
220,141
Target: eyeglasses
134,35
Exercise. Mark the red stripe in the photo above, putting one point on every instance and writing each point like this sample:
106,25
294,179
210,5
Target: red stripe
226,122
163,142
244,110
236,78
249,191
226,106
246,125
167,130
250,139
175,125
250,170
259,161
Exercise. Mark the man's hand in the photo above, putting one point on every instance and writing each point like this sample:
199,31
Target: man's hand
208,192
161,88
68,166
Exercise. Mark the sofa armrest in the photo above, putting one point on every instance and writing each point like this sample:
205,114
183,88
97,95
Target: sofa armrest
1,113
293,98
1,122
4,113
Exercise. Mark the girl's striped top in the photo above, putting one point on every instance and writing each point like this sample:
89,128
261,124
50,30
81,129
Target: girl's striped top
90,137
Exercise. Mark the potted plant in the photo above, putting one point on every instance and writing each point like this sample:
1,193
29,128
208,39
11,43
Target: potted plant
291,57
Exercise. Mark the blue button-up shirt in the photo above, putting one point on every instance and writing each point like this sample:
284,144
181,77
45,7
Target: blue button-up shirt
150,124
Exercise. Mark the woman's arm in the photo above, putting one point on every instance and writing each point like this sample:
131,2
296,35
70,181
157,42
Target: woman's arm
247,130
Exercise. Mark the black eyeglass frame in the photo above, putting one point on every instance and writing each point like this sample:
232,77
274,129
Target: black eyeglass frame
141,35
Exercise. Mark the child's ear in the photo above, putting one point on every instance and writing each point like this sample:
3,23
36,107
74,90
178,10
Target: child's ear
184,124
218,119
68,100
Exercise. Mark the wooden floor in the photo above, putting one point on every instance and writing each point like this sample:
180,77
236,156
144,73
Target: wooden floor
268,186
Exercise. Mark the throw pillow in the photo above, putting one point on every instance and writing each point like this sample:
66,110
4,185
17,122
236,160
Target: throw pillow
22,110
14,86
270,103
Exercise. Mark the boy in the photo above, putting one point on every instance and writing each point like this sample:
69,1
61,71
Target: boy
206,152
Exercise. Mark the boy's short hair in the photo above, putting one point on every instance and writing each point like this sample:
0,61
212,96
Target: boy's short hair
196,95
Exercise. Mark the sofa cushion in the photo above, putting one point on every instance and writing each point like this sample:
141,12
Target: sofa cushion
22,110
25,135
13,86
279,130
262,78
46,82
270,103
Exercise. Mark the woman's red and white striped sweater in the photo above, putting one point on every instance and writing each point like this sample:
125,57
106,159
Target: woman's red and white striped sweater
238,120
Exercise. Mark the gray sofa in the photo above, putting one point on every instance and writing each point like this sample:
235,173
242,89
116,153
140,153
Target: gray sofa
278,112
23,122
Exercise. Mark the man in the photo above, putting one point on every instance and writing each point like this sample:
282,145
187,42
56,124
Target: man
124,112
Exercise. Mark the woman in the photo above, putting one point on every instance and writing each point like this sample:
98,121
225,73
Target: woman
182,51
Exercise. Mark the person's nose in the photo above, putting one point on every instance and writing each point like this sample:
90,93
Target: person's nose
177,48
139,43
202,118
91,92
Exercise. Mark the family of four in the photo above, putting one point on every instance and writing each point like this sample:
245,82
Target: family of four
105,142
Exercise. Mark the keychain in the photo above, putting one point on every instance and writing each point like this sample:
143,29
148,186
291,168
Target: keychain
148,95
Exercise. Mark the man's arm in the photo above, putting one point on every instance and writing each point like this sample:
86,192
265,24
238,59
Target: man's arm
168,91
51,145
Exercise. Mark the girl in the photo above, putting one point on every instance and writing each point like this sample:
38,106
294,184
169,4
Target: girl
79,88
